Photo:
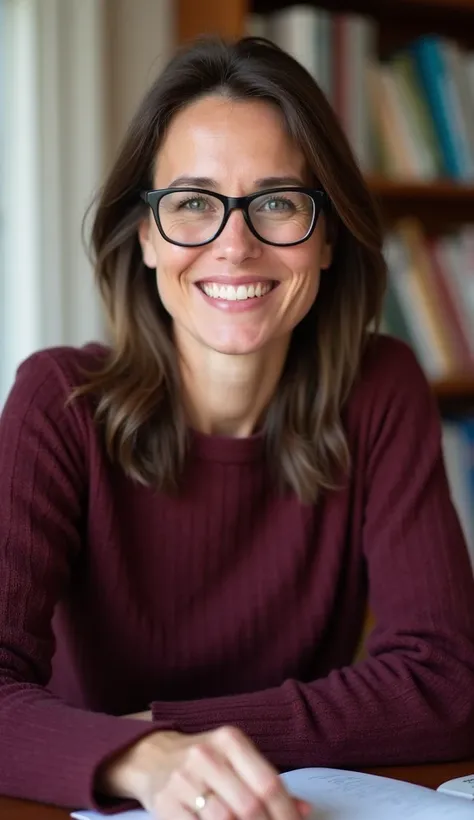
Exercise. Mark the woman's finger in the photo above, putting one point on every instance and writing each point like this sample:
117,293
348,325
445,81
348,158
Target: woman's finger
188,787
257,773
303,807
207,764
167,807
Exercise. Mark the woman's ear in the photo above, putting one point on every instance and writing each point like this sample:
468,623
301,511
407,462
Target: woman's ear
330,235
326,255
145,236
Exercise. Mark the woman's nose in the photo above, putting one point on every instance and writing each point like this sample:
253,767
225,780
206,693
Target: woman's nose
237,242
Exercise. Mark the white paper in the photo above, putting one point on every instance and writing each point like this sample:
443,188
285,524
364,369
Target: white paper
341,795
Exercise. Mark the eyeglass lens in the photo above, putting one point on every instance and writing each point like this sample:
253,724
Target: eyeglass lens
280,217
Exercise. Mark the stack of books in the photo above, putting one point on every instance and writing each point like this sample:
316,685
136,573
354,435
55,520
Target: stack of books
430,305
430,296
410,117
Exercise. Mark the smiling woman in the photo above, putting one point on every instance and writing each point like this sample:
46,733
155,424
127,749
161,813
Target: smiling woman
208,177
273,241
194,519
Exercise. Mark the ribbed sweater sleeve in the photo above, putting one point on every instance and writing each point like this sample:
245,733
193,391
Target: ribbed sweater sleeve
49,751
412,698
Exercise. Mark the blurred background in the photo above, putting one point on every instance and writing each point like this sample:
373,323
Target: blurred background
72,72
400,76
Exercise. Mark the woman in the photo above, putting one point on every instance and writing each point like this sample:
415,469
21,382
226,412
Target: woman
194,520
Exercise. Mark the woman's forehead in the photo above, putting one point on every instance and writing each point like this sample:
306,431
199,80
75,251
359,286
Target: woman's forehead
215,137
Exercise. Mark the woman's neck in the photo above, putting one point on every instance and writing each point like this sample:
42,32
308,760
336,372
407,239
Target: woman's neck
227,395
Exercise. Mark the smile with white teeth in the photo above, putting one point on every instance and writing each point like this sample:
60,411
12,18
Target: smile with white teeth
238,293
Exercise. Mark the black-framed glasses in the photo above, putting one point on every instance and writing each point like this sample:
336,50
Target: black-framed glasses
191,217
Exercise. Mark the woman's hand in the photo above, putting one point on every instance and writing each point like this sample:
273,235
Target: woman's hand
167,771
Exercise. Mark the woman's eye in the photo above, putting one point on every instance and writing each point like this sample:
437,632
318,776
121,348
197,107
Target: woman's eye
277,205
194,204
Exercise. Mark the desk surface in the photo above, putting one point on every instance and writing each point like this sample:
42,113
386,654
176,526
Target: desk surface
430,775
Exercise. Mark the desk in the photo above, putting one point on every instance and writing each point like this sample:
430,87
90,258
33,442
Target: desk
430,775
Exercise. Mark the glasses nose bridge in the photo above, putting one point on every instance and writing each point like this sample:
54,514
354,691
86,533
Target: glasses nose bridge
236,203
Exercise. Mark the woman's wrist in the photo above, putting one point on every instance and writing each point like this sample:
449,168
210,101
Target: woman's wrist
127,774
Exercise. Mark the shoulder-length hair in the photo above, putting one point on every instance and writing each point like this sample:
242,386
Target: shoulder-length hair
137,388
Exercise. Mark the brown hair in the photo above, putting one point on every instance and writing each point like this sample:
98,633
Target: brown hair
137,388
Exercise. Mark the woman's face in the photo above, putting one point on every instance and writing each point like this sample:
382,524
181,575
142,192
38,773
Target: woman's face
234,148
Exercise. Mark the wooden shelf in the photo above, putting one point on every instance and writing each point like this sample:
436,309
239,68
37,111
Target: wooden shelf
452,6
377,8
455,386
223,17
400,20
439,205
455,394
441,189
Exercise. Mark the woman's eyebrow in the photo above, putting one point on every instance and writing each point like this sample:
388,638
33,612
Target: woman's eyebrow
274,182
195,182
207,182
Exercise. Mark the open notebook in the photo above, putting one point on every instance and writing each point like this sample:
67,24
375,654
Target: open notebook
342,795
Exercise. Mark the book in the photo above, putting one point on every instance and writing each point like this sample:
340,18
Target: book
345,795
452,252
411,232
410,297
295,30
453,317
429,53
458,453
429,158
336,50
354,48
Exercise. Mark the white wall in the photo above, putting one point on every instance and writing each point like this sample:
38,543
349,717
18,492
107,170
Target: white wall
75,70
140,38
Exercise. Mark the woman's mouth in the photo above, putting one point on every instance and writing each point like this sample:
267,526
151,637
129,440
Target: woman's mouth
237,293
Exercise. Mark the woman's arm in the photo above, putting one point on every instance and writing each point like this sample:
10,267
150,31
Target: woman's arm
49,751
412,699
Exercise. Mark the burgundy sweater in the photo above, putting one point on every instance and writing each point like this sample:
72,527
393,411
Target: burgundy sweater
228,604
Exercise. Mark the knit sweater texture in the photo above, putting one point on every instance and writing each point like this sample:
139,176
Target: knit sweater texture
228,603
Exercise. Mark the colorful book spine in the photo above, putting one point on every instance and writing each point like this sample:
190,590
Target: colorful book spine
428,150
430,61
410,117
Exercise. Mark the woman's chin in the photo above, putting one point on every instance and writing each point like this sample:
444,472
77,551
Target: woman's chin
235,345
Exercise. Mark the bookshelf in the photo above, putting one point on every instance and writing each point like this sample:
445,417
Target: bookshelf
228,18
440,205
448,5
455,396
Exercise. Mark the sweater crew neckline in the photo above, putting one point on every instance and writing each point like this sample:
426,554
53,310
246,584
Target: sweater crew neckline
227,449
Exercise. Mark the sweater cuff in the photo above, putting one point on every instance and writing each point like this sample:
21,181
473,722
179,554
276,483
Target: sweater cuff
263,715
